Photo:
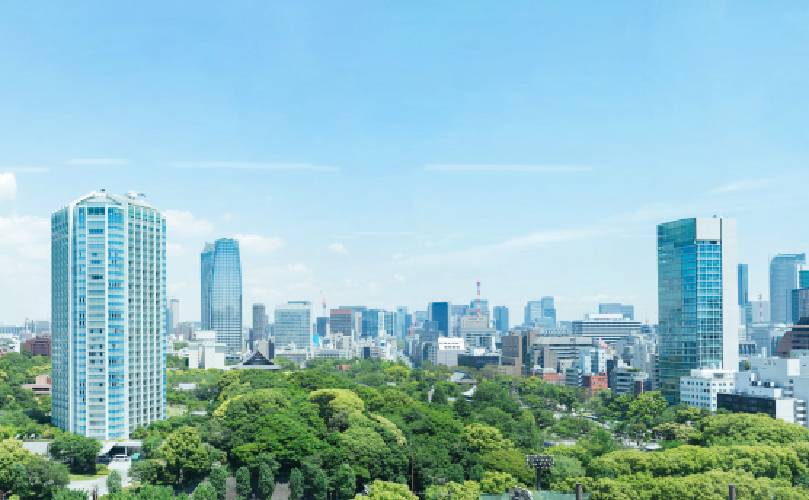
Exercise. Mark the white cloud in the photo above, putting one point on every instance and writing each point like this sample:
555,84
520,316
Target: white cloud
259,244
25,169
741,185
8,186
399,278
24,267
250,165
504,168
182,223
98,162
338,248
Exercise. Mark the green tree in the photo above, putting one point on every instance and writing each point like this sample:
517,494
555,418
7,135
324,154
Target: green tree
244,487
66,494
218,479
204,491
384,490
114,482
187,458
37,478
77,452
295,484
468,490
345,482
266,481
495,483
315,481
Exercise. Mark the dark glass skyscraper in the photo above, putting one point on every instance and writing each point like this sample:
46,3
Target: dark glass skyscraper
439,312
221,287
697,274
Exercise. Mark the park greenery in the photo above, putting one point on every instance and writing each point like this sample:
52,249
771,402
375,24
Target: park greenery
341,430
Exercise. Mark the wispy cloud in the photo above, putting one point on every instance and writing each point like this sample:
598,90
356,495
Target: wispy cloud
248,165
26,169
741,185
338,248
8,186
518,243
468,168
98,162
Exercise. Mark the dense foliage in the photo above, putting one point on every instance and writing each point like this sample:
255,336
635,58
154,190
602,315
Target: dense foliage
383,430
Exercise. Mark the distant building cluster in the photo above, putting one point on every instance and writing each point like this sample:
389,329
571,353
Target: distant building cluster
112,326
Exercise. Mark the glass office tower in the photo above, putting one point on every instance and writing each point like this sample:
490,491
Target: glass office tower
784,270
108,300
501,323
221,289
440,313
293,325
697,299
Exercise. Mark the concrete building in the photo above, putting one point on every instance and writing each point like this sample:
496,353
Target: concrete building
108,306
204,352
776,386
697,299
626,380
476,333
448,350
701,387
610,328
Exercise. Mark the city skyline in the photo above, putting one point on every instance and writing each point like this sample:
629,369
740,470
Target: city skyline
534,155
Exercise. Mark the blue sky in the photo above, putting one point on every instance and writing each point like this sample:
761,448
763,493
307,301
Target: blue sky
392,153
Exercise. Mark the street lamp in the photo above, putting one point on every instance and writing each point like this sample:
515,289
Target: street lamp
540,463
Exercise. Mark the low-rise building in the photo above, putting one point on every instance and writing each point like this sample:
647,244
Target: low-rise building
205,352
448,350
701,387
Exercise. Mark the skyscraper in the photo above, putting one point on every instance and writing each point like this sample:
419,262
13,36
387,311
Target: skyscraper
745,308
697,298
783,279
440,313
293,325
402,322
173,313
108,300
548,312
259,329
221,286
541,313
501,319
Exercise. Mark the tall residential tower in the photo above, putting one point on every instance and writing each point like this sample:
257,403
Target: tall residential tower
108,300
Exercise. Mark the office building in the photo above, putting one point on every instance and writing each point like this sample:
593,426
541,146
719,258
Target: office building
439,312
702,386
204,352
373,322
259,329
540,313
607,327
221,289
293,326
448,349
108,306
501,323
627,311
38,346
795,340
479,307
800,304
402,322
784,270
173,316
697,299
778,387
477,334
